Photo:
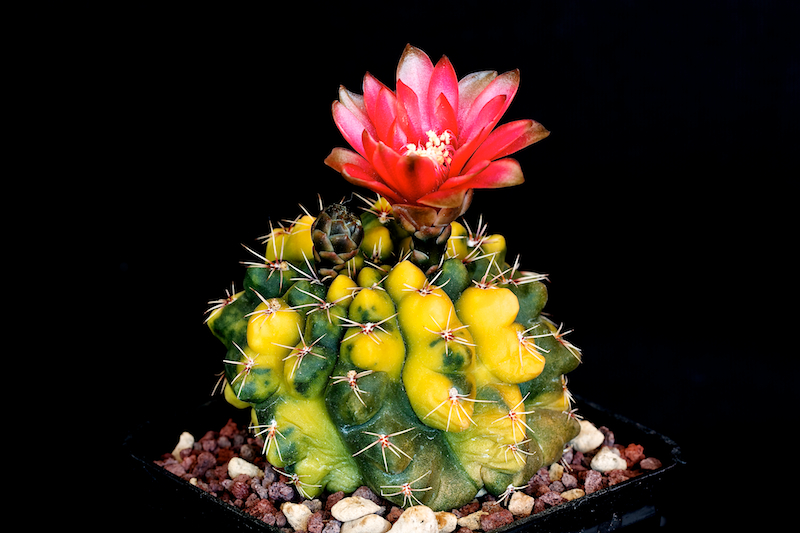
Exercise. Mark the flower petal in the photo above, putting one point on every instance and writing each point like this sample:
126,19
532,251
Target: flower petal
340,157
484,119
443,85
444,199
372,88
470,143
444,117
476,118
469,87
411,175
354,103
415,70
349,125
385,114
408,113
510,138
501,173
359,171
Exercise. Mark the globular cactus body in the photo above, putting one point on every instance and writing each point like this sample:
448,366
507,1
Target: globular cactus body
426,384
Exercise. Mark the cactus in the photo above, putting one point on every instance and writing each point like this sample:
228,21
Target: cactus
425,387
397,347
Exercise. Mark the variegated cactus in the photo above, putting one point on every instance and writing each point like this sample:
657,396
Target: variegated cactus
425,387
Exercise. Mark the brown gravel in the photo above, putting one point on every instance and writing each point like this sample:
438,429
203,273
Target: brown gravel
205,465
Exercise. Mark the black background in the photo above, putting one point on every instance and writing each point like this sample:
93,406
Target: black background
659,205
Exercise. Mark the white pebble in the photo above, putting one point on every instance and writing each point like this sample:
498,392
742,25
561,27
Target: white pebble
447,521
608,459
573,494
297,515
520,504
588,439
238,466
186,440
370,523
353,508
417,519
472,521
555,472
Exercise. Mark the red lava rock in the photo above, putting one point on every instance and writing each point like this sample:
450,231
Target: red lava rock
569,480
333,526
650,463
333,499
618,476
500,517
205,461
225,454
633,454
259,489
593,481
537,482
251,500
366,492
175,468
229,430
280,491
552,498
557,486
394,514
470,508
609,436
260,508
316,523
248,453
538,506
188,462
240,488
209,445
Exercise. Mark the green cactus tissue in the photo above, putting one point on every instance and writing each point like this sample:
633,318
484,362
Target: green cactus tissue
385,343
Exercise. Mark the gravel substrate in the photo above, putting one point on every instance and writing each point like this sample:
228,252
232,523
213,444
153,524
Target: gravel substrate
269,495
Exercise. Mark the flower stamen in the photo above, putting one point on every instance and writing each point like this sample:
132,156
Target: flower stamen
438,148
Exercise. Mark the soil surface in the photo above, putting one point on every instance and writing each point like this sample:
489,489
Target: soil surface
205,465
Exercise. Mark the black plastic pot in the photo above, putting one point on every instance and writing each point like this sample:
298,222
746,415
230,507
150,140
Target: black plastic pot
639,504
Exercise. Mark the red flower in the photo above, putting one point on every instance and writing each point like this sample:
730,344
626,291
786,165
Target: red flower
433,140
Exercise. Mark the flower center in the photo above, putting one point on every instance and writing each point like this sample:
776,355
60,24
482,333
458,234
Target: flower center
438,148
